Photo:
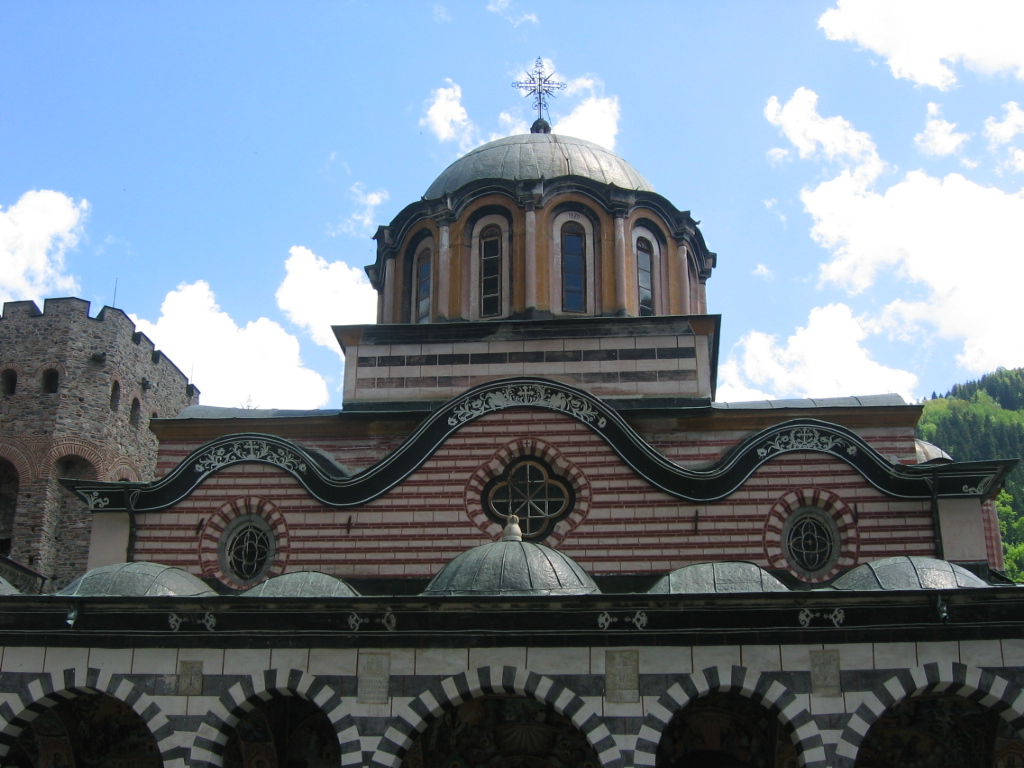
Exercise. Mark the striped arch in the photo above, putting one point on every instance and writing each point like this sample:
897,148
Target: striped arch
450,692
123,467
14,452
245,695
760,687
40,693
73,446
985,687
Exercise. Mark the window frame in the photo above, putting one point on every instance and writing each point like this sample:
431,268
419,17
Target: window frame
424,255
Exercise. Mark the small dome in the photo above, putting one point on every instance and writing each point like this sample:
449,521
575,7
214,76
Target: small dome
706,578
6,588
512,567
302,584
906,572
929,452
538,156
137,580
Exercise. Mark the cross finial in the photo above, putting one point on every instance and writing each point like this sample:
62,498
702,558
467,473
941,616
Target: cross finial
539,85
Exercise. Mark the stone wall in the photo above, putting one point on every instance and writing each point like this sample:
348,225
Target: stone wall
81,424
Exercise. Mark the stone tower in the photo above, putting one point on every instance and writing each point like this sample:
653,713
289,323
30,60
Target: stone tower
76,397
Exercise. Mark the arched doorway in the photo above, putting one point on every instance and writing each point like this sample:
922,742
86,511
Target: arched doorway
9,484
940,731
502,732
89,731
283,732
725,730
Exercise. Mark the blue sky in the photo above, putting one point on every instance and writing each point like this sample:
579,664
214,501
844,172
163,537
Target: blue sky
857,166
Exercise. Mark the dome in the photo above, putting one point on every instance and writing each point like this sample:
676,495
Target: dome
929,452
302,584
906,572
512,567
706,578
538,156
137,580
6,588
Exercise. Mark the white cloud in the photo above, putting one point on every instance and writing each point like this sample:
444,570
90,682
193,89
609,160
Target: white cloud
955,239
777,155
35,234
232,366
317,295
831,138
441,13
938,137
503,9
922,38
823,359
762,271
1001,132
510,126
448,120
595,119
362,221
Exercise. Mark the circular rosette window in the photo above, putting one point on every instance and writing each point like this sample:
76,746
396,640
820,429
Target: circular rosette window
244,543
530,479
811,533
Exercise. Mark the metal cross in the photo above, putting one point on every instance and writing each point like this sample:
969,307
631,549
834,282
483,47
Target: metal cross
539,85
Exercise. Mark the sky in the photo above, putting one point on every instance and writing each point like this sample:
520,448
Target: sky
216,170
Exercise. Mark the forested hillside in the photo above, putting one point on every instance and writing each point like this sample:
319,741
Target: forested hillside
984,419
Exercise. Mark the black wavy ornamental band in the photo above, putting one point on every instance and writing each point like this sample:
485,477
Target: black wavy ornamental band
330,485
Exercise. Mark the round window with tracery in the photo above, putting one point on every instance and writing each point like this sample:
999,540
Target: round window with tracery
247,549
810,540
529,490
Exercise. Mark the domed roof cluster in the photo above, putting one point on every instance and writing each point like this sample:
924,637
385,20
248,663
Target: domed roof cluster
538,156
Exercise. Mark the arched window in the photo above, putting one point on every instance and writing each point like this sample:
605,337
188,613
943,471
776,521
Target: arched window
490,272
9,482
115,396
421,287
135,415
645,276
574,268
51,381
9,381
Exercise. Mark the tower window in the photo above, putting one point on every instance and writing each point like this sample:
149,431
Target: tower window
9,381
135,415
574,268
421,302
645,276
51,381
115,396
490,272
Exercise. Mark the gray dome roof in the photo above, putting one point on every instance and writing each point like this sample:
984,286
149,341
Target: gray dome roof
536,156
137,580
906,572
6,588
302,584
512,567
704,578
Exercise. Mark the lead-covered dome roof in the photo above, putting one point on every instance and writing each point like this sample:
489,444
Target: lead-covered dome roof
538,156
908,572
137,580
512,567
302,584
706,578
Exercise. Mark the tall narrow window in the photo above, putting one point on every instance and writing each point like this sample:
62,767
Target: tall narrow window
115,395
574,268
51,381
9,381
490,272
421,302
645,276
